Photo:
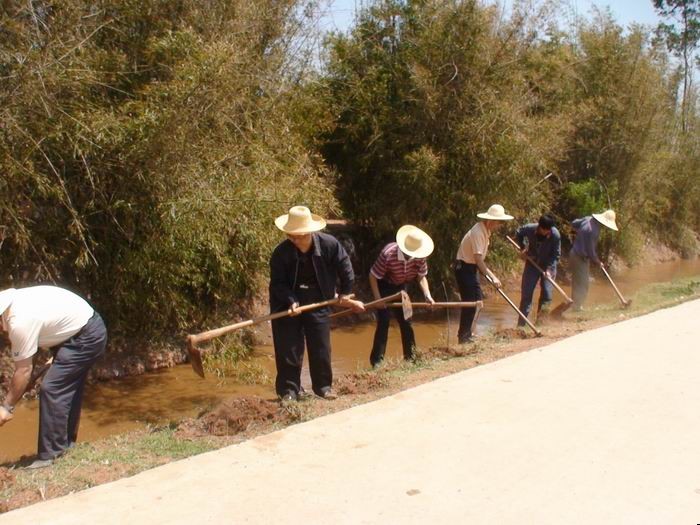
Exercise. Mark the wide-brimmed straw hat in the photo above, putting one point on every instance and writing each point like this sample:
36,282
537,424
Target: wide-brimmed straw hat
6,297
495,213
299,221
607,218
414,242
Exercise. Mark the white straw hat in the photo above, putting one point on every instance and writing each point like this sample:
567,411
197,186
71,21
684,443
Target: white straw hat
414,242
299,221
607,218
495,213
6,297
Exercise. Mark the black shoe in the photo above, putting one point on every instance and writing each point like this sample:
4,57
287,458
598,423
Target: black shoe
288,397
328,394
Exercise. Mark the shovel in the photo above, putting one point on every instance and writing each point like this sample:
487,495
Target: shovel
512,304
568,300
624,301
192,339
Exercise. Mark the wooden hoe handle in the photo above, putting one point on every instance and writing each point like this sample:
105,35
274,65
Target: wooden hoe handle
544,274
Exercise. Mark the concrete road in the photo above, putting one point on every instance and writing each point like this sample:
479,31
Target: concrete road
600,428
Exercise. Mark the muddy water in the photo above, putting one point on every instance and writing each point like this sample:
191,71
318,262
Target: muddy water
158,398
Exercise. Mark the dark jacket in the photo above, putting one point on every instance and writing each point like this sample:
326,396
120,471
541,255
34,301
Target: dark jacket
545,252
331,264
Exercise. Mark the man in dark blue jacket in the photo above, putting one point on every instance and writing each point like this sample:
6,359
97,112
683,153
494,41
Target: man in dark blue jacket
305,269
542,243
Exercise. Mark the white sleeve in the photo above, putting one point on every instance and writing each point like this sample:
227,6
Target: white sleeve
24,337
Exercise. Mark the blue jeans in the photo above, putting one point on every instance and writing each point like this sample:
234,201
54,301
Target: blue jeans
531,276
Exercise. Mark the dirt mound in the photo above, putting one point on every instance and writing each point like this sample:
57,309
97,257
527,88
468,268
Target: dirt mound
361,382
238,414
447,352
511,333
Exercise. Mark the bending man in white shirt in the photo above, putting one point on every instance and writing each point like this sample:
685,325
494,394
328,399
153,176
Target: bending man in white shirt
56,319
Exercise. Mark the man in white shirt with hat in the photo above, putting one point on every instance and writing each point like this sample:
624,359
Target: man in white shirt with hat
470,261
57,319
398,264
304,269
583,252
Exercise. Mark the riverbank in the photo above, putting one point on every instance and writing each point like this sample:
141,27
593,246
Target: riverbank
240,419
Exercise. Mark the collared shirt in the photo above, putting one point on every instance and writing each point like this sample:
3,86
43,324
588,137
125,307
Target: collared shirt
42,317
393,266
587,233
475,241
545,251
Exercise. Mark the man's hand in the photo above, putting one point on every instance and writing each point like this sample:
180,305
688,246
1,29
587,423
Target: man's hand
523,254
496,281
602,266
429,299
355,306
294,310
5,415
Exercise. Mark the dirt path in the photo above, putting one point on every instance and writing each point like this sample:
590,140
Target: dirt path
598,428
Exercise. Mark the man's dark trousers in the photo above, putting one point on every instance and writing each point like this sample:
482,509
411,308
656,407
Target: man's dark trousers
61,395
467,276
290,334
531,276
381,333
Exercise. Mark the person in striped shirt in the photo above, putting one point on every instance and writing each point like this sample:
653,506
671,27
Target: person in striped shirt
398,264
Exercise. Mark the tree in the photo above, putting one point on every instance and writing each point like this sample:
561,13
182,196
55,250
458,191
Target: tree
682,37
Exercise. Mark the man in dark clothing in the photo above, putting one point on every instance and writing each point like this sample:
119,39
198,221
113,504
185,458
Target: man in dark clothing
541,242
305,269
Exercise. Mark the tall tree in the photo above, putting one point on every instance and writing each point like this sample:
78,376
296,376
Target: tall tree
682,36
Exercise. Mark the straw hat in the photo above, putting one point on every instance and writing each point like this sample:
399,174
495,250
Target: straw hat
6,297
414,242
607,218
495,213
299,221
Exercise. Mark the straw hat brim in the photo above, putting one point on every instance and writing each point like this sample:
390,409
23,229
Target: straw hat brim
488,216
317,224
605,221
426,248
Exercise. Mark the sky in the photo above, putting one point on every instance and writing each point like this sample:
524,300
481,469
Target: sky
340,13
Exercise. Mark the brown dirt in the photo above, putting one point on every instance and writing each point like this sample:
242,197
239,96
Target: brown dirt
7,478
360,382
237,415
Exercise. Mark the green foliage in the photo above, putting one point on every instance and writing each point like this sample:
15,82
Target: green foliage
146,148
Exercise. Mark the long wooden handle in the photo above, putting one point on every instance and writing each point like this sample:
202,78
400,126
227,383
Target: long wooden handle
457,304
371,304
544,273
218,332
512,304
624,301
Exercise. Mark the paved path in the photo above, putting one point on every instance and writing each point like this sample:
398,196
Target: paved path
600,428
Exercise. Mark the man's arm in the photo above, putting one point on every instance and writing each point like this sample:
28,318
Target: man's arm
425,287
479,258
18,385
